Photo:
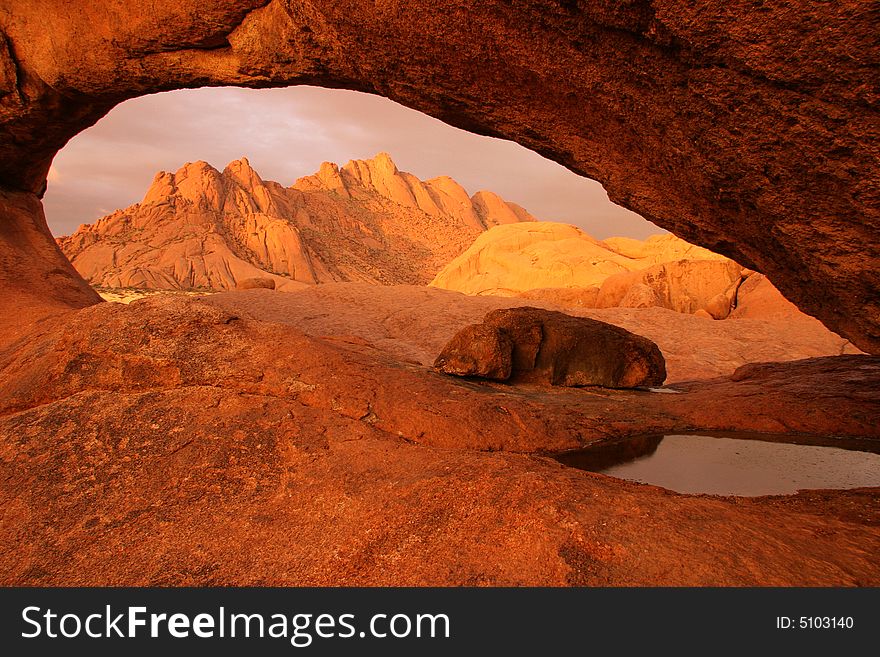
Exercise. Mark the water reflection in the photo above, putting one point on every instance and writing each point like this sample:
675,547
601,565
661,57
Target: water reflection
735,464
606,455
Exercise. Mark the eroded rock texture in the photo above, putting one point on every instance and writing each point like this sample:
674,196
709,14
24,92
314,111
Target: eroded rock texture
749,128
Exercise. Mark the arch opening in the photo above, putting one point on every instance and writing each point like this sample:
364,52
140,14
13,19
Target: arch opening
404,218
424,203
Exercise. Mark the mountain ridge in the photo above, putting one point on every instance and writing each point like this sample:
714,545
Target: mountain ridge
202,228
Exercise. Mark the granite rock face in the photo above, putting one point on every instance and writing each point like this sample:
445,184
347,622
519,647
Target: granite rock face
757,298
684,286
748,129
562,264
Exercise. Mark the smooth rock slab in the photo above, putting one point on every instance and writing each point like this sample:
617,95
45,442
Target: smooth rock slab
544,346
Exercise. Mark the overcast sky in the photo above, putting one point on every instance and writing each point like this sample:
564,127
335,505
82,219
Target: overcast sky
287,133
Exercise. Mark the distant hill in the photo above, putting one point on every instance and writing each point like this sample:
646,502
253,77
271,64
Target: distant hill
510,260
562,264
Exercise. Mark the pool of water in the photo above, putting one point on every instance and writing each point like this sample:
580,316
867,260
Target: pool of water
734,464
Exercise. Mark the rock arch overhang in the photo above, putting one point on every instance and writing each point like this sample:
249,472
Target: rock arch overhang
750,128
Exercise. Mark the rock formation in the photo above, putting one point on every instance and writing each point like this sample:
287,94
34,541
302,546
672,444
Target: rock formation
199,228
685,286
518,258
533,345
157,443
745,129
562,265
757,298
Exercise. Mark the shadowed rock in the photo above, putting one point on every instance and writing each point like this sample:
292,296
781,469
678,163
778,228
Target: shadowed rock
542,346
478,350
256,283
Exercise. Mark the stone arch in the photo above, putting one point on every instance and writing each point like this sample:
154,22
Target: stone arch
750,130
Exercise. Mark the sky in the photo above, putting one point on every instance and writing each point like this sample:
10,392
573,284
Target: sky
287,133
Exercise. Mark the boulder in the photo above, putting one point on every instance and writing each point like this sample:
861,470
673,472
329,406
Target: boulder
552,348
758,298
720,305
478,350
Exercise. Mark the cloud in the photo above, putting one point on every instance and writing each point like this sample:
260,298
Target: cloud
287,133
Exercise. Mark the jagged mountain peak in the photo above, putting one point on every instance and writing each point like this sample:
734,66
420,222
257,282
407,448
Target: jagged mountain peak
365,221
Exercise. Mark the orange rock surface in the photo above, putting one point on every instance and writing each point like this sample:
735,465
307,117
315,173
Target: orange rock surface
412,324
685,286
161,442
178,441
562,265
757,298
515,259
